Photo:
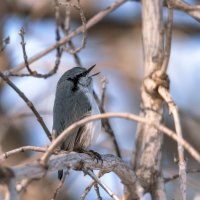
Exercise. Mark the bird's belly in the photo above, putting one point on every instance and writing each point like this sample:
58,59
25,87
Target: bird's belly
93,128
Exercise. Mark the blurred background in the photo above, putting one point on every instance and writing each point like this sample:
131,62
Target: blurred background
115,46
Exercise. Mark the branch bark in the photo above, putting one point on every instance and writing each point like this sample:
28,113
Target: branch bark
81,161
149,139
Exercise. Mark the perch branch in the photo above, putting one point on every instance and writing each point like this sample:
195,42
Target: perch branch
79,161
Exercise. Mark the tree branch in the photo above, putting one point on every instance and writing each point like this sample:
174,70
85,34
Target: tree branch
79,161
28,102
94,20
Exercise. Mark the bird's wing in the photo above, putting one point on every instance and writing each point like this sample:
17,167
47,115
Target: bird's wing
67,110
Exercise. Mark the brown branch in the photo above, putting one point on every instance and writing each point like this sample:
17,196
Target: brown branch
23,43
188,171
103,93
107,127
193,11
168,41
96,188
103,186
94,20
89,187
21,149
148,151
182,164
35,73
66,28
28,102
5,42
83,21
80,161
60,186
128,116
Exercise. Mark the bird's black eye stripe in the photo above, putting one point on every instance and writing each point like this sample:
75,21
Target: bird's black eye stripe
77,77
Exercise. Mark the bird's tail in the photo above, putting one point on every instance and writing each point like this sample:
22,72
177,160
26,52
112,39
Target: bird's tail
60,174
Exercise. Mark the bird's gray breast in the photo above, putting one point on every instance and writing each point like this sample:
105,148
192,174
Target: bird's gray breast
70,107
93,128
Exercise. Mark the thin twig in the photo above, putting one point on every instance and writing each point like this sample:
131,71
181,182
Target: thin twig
94,20
23,43
182,164
89,187
193,11
5,42
83,21
103,186
44,159
104,83
21,149
96,188
107,127
66,28
60,186
188,171
167,43
28,102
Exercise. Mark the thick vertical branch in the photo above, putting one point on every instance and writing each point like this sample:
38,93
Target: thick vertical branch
149,140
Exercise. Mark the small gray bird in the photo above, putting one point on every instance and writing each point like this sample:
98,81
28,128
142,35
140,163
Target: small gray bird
74,100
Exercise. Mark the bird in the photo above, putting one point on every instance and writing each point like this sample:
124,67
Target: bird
74,100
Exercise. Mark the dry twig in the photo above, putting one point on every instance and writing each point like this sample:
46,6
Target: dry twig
168,41
94,20
193,11
73,50
88,188
182,164
28,102
104,187
5,42
188,171
107,127
66,28
60,186
21,149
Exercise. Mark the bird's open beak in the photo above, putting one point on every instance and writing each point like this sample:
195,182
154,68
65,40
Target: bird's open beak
90,69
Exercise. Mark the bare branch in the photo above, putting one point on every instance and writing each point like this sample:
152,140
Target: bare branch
35,73
104,83
88,188
96,188
107,127
182,164
23,43
83,20
21,149
60,186
188,171
193,11
94,20
128,116
5,42
79,161
66,29
28,102
167,43
107,190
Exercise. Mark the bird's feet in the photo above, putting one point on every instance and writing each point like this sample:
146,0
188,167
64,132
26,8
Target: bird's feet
96,156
